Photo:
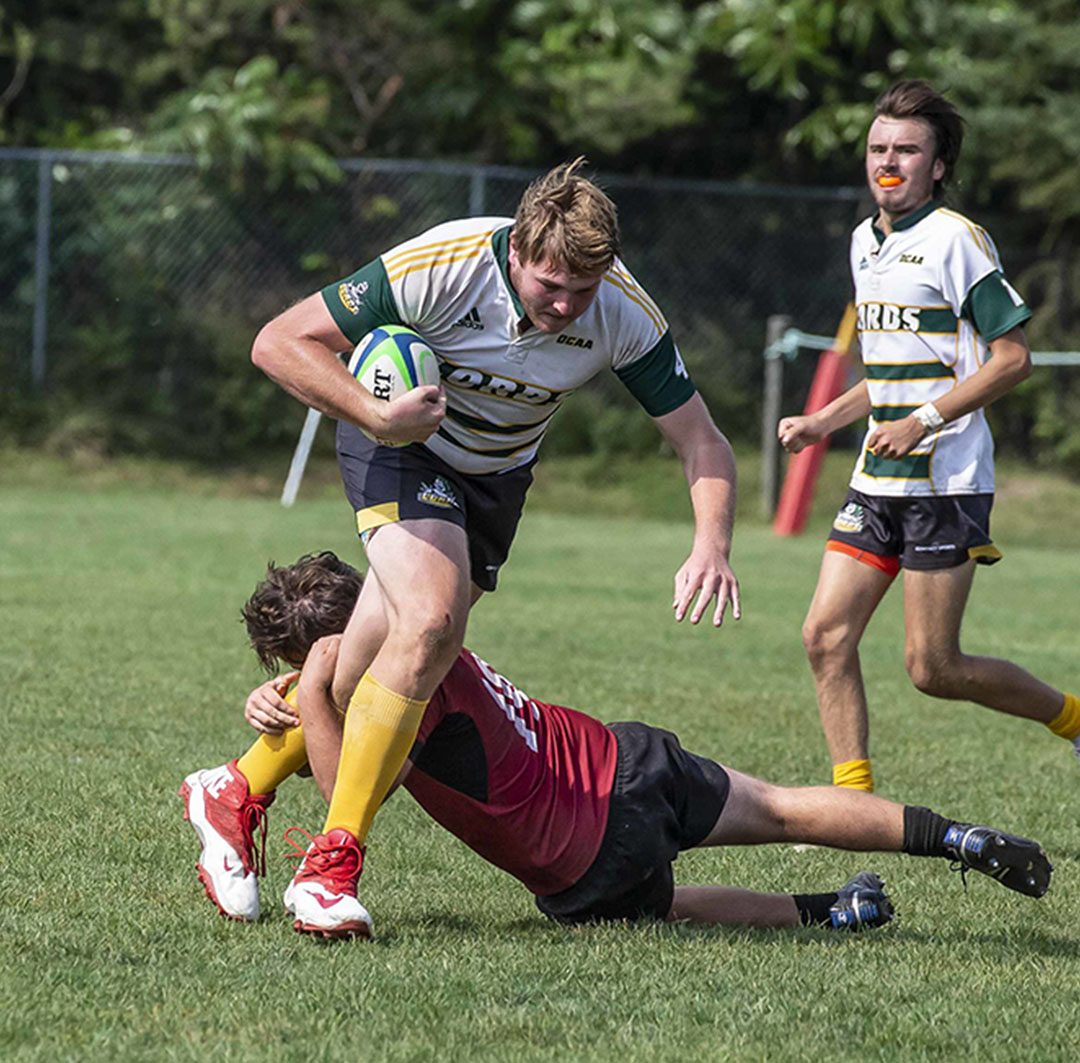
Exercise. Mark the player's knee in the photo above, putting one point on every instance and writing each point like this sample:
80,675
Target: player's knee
775,806
434,635
825,641
443,635
930,673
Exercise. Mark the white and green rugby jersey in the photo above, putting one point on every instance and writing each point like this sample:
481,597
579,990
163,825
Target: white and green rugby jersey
930,297
504,379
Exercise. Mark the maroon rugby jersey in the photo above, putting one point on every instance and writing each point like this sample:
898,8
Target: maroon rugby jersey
524,784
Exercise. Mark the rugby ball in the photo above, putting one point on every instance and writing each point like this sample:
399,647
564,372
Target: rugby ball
390,361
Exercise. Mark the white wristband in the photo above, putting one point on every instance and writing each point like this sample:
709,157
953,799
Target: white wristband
927,415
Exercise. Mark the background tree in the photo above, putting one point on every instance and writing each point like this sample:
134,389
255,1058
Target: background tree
268,94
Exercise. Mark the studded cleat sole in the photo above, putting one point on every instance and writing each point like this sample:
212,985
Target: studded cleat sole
344,932
1017,863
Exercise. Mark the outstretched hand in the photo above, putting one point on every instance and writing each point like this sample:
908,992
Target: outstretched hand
706,576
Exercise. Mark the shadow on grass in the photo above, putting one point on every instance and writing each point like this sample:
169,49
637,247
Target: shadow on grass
1003,947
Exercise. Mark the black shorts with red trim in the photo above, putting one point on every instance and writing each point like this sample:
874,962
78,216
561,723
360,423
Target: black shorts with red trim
390,484
923,533
664,800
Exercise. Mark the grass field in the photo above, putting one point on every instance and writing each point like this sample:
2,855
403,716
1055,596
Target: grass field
126,668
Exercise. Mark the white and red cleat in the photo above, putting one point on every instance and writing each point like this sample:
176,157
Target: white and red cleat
322,894
225,816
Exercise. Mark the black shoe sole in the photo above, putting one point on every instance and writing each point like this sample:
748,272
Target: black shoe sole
1017,863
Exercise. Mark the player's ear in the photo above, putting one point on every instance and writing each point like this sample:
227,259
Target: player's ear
938,169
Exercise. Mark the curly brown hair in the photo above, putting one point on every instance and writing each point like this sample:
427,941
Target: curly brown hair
567,219
295,605
915,98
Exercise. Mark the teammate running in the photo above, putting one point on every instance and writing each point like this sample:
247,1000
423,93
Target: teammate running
942,338
520,312
588,817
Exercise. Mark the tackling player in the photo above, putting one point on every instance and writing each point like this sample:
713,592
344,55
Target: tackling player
941,334
588,817
521,312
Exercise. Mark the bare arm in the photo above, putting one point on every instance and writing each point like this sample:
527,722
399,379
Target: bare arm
299,351
322,724
709,466
795,433
1009,364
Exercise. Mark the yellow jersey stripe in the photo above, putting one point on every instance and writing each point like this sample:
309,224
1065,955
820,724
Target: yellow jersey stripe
394,260
441,259
977,234
638,288
658,322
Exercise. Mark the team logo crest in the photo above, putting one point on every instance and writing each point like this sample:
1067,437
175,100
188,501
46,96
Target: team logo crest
351,294
439,493
850,519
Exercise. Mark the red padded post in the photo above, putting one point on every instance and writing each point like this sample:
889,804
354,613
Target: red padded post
802,471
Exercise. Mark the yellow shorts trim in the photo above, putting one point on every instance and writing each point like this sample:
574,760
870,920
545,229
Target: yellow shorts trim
988,554
377,516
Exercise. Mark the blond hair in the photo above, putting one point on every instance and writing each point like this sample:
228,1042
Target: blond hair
565,219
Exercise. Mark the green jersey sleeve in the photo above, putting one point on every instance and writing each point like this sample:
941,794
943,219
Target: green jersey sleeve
362,301
658,379
994,306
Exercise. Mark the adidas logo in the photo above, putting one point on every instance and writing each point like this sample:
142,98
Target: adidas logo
470,320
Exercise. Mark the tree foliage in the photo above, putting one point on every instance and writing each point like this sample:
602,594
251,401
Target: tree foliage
269,93
296,82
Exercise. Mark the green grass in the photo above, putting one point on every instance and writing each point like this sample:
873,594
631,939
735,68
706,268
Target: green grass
126,667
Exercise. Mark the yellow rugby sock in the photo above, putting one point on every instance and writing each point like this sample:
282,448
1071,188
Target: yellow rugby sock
380,727
1067,722
273,758
854,774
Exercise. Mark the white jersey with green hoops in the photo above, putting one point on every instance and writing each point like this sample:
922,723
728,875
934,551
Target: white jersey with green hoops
931,295
504,379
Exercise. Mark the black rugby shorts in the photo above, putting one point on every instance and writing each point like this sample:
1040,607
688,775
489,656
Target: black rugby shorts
390,484
664,800
922,533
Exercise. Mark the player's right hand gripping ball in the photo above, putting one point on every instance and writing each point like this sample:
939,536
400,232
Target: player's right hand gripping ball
390,361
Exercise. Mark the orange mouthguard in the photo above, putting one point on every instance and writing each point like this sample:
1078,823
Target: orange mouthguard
890,182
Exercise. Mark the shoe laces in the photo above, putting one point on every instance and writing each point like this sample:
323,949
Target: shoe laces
963,869
252,819
967,849
338,864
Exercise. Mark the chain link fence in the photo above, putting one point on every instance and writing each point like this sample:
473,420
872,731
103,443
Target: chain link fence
131,287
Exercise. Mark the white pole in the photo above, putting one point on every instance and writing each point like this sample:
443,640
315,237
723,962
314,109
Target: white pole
775,328
300,457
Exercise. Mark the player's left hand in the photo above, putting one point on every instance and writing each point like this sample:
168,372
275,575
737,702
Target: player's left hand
706,576
895,439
